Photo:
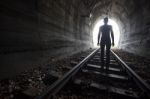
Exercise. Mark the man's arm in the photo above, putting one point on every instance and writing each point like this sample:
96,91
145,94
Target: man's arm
98,40
112,36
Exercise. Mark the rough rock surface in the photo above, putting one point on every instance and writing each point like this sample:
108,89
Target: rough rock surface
133,18
33,82
139,64
33,31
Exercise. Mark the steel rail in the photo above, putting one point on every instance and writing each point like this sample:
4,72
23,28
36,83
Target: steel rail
56,86
142,84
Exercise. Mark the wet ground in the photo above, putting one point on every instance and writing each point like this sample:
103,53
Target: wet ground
31,83
139,64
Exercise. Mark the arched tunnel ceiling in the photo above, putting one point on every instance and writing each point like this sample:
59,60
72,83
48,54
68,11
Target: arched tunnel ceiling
131,15
119,9
57,28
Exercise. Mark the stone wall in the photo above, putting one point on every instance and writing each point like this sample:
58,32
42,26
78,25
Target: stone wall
33,31
133,18
136,37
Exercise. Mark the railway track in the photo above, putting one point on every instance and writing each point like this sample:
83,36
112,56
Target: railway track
87,80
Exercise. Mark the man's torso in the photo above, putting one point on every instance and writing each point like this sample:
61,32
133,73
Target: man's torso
105,37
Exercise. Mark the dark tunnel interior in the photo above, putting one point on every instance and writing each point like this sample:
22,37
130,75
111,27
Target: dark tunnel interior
32,32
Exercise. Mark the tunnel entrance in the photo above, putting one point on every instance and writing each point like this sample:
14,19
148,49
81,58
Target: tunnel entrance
115,29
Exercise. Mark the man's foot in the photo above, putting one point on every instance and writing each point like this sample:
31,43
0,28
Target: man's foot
102,69
107,68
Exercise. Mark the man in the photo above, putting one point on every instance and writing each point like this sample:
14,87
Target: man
104,40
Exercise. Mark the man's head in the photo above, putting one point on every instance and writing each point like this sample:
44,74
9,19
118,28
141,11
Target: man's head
106,20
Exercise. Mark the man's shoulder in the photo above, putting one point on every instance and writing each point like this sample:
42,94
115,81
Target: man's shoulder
106,26
110,25
102,26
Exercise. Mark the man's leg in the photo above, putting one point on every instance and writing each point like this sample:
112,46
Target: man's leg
107,55
102,55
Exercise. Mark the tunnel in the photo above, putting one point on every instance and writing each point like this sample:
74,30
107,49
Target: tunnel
34,32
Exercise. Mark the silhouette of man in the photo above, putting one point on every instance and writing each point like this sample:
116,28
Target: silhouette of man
104,40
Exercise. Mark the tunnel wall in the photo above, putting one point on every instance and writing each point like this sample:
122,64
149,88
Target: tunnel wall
133,18
34,31
135,36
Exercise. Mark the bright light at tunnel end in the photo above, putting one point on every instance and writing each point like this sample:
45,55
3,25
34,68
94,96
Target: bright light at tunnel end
115,29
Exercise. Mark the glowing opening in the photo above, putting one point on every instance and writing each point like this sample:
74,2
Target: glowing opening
115,29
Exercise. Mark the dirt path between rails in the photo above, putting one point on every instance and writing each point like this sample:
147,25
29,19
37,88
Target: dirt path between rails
139,64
